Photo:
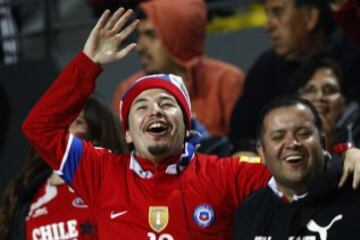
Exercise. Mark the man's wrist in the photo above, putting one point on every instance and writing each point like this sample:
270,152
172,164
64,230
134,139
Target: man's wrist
342,147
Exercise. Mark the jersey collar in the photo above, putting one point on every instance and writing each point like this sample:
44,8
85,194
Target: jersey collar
273,186
172,169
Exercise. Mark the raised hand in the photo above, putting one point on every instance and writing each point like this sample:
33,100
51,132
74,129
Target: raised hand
351,167
104,41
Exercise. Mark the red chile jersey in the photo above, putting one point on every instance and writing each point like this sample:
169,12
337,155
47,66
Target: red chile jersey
132,198
56,212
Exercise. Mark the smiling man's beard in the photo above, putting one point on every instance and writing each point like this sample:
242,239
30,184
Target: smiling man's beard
158,149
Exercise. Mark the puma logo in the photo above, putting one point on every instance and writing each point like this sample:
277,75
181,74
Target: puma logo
323,231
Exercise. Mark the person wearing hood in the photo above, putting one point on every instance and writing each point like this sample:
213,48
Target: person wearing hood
171,40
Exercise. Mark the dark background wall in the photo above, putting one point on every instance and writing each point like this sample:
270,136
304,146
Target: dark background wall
24,83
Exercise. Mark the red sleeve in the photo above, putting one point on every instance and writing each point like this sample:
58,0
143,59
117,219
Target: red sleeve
47,125
244,178
235,179
349,20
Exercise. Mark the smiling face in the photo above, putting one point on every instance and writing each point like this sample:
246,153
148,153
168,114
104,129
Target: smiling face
292,147
323,90
156,125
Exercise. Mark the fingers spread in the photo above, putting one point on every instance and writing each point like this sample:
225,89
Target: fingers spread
356,177
343,179
348,169
128,30
114,18
120,22
125,51
102,20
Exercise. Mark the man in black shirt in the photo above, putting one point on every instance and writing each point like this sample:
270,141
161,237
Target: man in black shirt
302,200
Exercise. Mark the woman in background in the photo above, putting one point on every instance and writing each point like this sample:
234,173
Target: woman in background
320,81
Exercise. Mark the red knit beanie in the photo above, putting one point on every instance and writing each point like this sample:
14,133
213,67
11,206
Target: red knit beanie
169,82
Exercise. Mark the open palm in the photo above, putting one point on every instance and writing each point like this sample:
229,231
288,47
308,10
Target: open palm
104,42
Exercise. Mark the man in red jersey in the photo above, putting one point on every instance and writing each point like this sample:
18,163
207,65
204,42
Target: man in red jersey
163,190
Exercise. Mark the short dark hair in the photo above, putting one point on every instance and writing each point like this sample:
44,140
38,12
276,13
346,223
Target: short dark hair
326,21
286,101
305,72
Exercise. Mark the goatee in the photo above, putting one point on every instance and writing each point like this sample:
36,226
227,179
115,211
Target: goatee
157,150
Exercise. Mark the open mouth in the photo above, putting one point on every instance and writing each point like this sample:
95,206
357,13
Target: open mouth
157,128
295,159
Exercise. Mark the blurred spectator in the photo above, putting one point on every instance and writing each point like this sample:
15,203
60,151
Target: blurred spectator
298,31
347,14
38,198
171,40
320,82
9,47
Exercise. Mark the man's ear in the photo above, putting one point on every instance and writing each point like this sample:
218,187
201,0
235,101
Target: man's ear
128,138
312,18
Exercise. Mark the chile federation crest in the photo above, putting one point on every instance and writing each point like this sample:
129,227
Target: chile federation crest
204,215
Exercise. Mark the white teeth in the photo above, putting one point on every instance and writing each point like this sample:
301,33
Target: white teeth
293,158
155,125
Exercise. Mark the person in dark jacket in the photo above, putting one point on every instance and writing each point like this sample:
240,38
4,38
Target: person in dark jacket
302,199
298,31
